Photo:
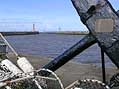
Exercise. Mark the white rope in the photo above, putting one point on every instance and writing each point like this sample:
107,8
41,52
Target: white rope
36,82
61,85
31,77
7,87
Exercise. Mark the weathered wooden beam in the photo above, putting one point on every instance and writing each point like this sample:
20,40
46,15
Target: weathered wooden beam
89,11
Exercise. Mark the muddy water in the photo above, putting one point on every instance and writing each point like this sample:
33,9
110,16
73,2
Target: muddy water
52,45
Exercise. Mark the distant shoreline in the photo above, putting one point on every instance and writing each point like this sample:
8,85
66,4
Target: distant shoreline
19,33
52,32
67,32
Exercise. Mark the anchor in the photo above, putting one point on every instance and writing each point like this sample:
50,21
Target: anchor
108,41
92,14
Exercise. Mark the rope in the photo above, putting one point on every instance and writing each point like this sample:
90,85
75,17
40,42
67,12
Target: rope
61,85
27,76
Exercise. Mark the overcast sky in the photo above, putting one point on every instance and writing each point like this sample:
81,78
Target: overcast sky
49,14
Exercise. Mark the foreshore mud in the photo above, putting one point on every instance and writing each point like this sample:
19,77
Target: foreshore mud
71,71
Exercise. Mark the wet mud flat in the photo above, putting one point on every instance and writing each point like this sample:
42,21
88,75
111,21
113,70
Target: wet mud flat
71,71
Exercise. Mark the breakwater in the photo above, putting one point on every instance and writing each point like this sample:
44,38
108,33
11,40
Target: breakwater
67,32
20,33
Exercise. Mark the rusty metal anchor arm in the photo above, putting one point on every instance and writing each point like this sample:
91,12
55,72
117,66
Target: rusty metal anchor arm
89,12
76,49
